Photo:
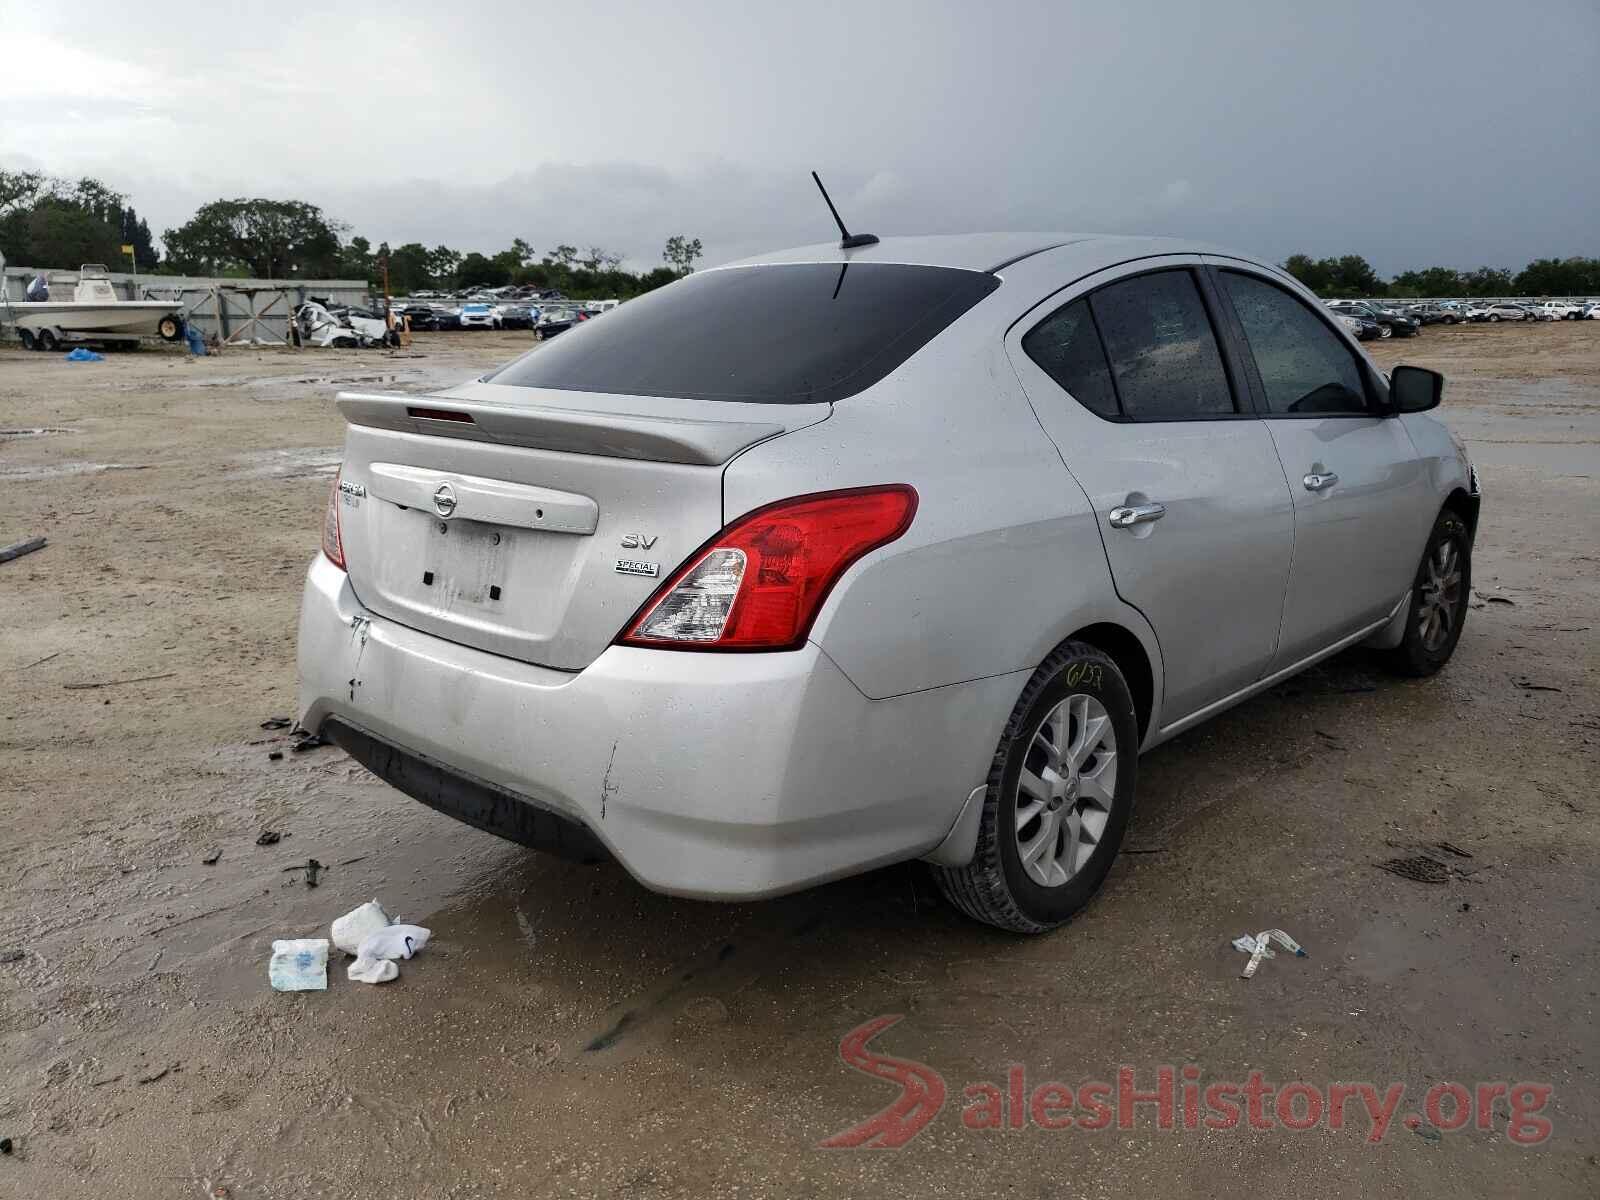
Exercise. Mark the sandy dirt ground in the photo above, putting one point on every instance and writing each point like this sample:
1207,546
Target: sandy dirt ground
567,1033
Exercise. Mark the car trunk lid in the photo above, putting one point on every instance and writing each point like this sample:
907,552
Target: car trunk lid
532,523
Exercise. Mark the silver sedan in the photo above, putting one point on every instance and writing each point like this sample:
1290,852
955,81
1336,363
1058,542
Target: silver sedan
862,553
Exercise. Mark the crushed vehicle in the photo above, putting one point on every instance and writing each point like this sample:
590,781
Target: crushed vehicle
316,324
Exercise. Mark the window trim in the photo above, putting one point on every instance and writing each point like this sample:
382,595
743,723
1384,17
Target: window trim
1376,406
1238,390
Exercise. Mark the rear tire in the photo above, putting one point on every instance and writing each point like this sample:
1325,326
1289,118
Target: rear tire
1067,762
47,340
1438,607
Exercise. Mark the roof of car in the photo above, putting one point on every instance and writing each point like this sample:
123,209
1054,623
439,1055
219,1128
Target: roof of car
975,251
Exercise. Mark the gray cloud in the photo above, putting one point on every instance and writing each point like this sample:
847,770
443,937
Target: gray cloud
1459,132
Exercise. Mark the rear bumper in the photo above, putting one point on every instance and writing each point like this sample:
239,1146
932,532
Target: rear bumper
722,776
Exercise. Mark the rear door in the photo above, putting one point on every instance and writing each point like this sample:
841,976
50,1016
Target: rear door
1126,377
1361,496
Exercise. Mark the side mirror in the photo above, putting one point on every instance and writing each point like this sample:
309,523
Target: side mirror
1415,389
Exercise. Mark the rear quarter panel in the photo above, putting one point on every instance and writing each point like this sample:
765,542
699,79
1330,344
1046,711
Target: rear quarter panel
1003,559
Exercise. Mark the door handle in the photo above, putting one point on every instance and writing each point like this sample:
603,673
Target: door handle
1316,482
1137,514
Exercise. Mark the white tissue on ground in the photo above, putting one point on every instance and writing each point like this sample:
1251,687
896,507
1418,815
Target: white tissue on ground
375,956
350,930
299,965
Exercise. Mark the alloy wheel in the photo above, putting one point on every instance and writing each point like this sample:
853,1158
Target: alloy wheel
1066,790
1439,606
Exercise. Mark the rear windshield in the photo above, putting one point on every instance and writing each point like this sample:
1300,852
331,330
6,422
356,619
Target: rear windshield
793,333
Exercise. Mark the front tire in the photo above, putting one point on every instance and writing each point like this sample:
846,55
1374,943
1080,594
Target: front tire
1438,607
1059,796
1385,331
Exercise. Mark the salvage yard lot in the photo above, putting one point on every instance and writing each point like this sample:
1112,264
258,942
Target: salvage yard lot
567,1032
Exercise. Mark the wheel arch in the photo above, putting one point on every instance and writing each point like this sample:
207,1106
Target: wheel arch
1466,507
1126,650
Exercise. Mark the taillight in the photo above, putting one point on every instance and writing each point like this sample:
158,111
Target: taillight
759,584
332,543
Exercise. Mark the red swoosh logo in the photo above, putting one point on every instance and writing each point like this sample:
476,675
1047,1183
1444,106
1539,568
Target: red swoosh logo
921,1092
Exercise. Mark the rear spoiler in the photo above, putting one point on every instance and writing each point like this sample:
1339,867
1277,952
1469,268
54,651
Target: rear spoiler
593,424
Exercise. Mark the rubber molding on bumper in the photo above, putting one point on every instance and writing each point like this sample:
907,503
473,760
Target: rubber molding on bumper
474,801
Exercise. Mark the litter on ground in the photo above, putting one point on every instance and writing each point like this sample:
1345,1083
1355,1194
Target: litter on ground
375,958
1259,946
350,930
299,965
82,355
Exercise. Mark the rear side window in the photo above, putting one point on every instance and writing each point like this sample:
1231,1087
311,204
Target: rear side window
1067,348
1163,353
792,333
1305,367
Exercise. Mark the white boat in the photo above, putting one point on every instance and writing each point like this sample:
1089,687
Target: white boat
94,313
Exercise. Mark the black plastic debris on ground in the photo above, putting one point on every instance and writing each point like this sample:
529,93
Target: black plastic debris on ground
1418,868
276,723
310,742
269,837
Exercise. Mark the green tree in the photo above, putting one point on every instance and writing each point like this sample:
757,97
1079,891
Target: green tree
50,222
562,256
410,268
136,233
270,239
1349,275
357,260
1431,281
680,253
1558,277
443,264
480,271
1487,281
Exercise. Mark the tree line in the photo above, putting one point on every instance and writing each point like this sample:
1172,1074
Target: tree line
46,221
1350,275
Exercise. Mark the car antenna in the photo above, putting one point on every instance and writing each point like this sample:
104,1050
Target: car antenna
849,240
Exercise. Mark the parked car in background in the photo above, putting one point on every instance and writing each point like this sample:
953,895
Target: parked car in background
421,316
1592,313
1390,323
479,316
1501,311
1362,328
517,316
1478,310
1561,310
1454,311
1430,314
776,578
556,319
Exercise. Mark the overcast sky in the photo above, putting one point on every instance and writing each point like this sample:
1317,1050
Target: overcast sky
1459,132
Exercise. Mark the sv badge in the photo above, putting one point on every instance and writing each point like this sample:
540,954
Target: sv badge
637,541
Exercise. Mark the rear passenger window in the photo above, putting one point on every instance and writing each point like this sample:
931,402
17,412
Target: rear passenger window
1305,367
1163,353
1067,348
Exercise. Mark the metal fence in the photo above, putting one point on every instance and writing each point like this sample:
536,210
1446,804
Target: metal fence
236,311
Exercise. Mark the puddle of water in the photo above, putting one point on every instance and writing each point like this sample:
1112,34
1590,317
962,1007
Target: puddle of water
305,462
7,435
61,470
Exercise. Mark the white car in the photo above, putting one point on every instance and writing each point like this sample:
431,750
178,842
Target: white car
479,316
1560,310
1592,313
